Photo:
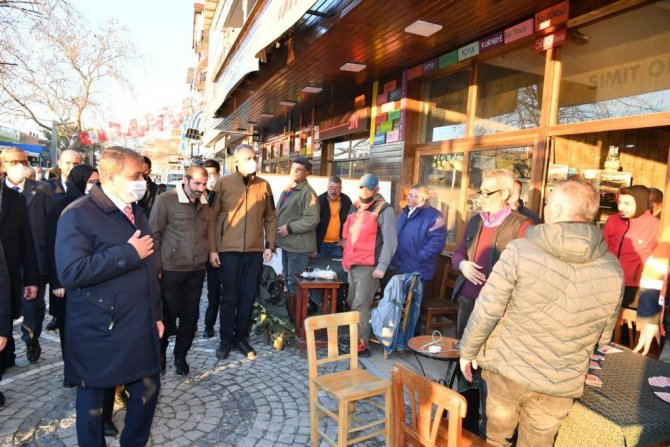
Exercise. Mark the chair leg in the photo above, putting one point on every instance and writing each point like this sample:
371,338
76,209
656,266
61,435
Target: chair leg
313,415
388,416
343,424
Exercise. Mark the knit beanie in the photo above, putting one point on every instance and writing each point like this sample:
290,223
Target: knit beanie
641,195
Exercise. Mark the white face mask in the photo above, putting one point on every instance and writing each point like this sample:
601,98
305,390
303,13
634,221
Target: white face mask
133,190
89,186
247,167
17,173
211,181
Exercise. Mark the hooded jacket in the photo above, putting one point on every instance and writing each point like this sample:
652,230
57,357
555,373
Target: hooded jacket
550,299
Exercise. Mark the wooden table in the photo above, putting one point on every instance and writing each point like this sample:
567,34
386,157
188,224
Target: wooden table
624,411
303,286
448,353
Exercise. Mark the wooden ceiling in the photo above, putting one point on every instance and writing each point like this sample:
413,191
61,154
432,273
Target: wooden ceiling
372,32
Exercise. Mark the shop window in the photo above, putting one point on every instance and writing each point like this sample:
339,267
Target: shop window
514,159
443,174
617,67
509,93
447,99
350,157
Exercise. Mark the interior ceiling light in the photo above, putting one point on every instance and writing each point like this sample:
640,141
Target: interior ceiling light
423,28
353,66
310,89
287,103
266,115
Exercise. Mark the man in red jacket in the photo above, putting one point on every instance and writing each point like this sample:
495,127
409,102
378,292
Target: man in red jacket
631,235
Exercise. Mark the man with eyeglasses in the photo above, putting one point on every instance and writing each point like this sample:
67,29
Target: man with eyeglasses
486,236
38,201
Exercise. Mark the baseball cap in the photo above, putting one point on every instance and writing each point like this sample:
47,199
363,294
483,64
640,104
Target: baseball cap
303,161
369,181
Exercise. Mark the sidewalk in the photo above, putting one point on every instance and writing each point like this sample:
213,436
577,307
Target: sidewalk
233,402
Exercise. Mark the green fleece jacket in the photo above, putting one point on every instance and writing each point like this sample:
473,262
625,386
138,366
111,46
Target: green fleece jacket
300,214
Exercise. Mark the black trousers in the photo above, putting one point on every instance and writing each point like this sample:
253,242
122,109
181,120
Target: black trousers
33,312
239,276
181,300
141,405
213,295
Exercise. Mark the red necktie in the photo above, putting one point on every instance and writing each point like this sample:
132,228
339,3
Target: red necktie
128,210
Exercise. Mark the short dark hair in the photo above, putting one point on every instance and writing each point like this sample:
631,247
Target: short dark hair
147,160
212,164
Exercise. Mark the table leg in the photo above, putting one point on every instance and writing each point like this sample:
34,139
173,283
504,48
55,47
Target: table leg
333,300
299,315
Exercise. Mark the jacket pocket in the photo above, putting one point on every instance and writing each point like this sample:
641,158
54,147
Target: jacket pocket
108,303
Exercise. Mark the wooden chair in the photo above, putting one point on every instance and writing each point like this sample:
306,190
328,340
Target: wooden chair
428,401
347,387
434,310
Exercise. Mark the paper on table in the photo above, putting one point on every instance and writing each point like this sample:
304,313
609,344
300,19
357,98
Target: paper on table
594,365
609,349
593,380
597,357
659,381
663,396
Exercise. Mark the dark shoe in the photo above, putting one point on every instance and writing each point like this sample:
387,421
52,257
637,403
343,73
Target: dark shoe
67,384
110,429
245,348
2,400
209,332
181,367
312,308
52,325
223,350
33,351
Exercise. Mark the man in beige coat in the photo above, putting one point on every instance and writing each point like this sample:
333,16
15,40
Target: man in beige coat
550,299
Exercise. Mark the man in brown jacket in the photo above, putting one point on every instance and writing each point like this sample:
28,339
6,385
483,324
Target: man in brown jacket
551,298
179,225
241,232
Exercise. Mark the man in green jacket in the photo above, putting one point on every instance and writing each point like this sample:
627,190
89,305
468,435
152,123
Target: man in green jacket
553,295
297,218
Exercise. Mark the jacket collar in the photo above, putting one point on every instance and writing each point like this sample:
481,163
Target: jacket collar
103,200
183,198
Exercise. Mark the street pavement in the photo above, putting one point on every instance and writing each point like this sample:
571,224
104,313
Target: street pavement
233,402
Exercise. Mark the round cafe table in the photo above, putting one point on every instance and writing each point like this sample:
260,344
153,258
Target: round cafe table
420,346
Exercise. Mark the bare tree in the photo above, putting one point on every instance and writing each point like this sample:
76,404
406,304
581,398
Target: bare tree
60,67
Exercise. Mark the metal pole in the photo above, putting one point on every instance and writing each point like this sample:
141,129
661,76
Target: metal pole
54,143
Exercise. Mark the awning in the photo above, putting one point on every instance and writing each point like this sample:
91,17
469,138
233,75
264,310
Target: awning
270,23
33,149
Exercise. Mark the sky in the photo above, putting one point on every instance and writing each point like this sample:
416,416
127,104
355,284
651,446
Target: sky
162,33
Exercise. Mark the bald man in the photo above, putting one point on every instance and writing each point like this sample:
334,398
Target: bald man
68,159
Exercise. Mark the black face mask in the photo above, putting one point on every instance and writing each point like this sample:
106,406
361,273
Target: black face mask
368,200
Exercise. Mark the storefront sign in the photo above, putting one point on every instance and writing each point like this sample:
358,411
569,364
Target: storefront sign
389,107
382,98
391,85
552,40
395,95
380,138
468,51
10,135
385,126
448,59
429,66
393,136
381,118
415,72
492,41
393,115
551,16
348,123
518,31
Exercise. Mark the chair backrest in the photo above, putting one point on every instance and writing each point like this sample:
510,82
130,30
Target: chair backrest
331,323
407,305
428,401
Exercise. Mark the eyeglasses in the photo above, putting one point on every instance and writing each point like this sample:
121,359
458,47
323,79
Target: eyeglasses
17,162
487,194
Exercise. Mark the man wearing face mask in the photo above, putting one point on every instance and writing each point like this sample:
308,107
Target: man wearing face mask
38,200
105,260
213,285
179,224
149,198
241,232
631,235
370,240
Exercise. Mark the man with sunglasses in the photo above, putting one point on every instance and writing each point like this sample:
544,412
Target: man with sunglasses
486,236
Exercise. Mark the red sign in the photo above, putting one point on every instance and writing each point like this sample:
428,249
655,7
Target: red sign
550,41
518,31
551,16
415,72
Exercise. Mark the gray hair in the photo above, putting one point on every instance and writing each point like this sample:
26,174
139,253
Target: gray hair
423,190
579,198
113,158
504,178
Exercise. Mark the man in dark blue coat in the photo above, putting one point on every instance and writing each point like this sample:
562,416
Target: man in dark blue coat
105,260
421,235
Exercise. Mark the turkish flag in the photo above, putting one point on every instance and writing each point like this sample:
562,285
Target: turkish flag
102,136
84,139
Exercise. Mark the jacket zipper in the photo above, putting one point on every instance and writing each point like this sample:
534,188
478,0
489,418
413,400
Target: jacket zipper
246,207
623,236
